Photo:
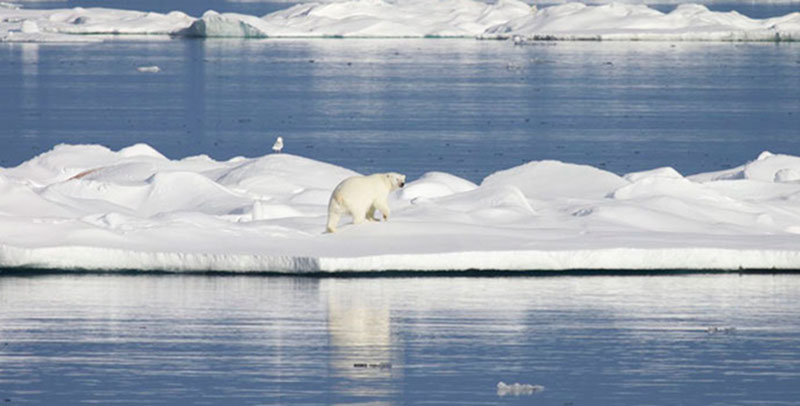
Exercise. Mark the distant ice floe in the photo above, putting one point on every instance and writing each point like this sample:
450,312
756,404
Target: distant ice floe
617,21
88,207
149,69
517,389
503,19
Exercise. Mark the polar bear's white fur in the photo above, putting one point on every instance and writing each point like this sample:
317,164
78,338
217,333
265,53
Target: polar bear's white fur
360,196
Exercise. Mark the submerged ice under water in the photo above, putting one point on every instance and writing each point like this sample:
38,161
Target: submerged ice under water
460,106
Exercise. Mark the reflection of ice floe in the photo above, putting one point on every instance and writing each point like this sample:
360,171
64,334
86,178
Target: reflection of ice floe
89,207
504,19
379,365
360,335
517,389
721,330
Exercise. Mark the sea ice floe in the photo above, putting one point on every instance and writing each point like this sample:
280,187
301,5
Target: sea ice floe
86,206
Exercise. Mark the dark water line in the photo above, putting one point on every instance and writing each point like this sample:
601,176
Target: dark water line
36,272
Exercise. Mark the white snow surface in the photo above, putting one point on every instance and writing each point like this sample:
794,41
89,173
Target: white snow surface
617,21
88,207
503,19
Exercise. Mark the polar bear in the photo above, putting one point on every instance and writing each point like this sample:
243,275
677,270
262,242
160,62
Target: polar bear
361,196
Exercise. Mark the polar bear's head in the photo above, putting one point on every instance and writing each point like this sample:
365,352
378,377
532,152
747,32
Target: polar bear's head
396,180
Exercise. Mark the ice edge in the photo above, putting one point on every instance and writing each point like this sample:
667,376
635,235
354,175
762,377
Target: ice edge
627,259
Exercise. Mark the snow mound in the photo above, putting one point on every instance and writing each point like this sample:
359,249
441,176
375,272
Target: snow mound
768,167
281,173
435,184
88,207
503,19
557,180
500,204
665,172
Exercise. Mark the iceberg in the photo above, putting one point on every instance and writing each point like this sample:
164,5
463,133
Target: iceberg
503,19
88,207
85,24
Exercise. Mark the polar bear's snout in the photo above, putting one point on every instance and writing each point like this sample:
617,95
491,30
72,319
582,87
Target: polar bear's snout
396,180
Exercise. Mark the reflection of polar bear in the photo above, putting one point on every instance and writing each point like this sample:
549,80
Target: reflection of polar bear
361,196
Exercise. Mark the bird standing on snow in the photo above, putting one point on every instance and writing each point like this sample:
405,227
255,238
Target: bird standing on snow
278,145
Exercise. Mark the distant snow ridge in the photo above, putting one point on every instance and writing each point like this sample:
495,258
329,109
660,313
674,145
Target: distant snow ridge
504,19
88,207
365,18
616,21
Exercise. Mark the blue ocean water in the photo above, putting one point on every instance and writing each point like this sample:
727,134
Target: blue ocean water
462,106
723,339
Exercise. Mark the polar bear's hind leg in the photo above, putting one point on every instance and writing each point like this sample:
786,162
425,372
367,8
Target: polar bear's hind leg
359,213
334,214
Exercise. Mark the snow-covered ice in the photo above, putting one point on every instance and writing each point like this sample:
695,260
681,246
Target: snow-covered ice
617,21
85,24
502,19
87,207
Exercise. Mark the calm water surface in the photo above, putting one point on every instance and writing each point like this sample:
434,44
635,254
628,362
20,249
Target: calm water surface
643,340
462,106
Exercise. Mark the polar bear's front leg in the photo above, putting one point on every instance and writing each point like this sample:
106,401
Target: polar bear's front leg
383,206
371,213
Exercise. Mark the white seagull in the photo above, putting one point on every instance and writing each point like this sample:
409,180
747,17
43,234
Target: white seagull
278,145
